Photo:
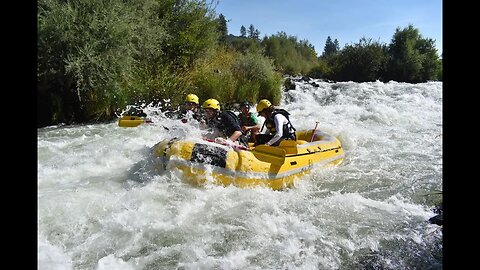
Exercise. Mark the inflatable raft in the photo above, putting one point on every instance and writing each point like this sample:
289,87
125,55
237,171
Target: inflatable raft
276,167
131,121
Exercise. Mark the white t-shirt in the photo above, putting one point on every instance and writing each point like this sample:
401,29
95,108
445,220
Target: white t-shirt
279,120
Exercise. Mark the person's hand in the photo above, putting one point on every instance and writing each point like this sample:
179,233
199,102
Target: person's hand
224,141
244,128
220,140
229,142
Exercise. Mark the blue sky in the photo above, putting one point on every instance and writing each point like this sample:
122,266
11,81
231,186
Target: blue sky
344,20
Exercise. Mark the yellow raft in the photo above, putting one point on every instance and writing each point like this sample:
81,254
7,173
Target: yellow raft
275,167
131,121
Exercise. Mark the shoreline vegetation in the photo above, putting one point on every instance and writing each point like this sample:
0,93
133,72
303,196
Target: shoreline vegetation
95,57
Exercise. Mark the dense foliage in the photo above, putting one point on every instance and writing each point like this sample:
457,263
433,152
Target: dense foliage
360,62
95,57
412,58
290,56
408,58
331,47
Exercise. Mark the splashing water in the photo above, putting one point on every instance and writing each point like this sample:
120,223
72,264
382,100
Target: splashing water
102,204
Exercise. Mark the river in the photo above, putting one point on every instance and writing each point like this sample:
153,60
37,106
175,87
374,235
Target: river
102,205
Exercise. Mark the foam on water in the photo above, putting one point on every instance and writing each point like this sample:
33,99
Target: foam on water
102,204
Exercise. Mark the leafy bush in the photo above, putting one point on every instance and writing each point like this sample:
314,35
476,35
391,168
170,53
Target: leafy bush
360,62
412,58
96,56
230,76
255,74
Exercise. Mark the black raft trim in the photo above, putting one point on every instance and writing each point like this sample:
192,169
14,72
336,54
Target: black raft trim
208,154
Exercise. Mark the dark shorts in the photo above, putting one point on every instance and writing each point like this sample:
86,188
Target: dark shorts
264,138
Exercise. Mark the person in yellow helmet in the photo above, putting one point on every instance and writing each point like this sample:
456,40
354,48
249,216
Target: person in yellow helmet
190,109
223,123
277,122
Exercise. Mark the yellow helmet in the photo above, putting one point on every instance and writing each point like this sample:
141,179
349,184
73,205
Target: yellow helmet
263,104
211,104
192,98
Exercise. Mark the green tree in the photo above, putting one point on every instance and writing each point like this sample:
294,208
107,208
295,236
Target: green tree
88,53
251,31
256,78
256,34
243,31
94,57
431,63
229,75
321,70
192,28
222,29
331,47
244,45
360,62
290,55
412,58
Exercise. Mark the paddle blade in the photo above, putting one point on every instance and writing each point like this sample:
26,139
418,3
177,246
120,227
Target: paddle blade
269,154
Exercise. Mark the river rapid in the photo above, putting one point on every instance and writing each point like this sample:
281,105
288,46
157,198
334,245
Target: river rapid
102,204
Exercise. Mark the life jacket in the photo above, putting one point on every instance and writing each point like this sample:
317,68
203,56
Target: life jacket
288,129
247,120
220,123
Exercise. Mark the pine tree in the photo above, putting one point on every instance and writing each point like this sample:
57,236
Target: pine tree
243,31
256,34
222,29
251,31
330,47
336,46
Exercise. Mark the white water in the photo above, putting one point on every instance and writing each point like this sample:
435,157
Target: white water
101,205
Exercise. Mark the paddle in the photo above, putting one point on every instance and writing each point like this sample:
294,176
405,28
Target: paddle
269,154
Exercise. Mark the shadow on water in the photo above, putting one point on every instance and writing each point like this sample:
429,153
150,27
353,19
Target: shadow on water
145,170
152,167
401,254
